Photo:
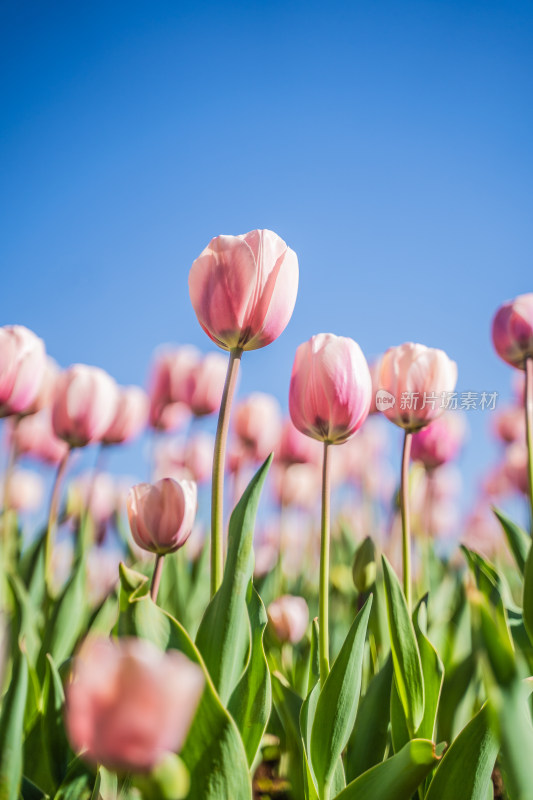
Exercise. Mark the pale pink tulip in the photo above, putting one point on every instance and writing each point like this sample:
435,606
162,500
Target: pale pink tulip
169,386
46,393
330,388
257,423
295,447
243,289
190,459
162,515
297,485
34,436
440,441
509,424
130,418
416,382
289,616
128,704
206,384
374,367
512,330
516,467
98,491
22,369
85,403
26,490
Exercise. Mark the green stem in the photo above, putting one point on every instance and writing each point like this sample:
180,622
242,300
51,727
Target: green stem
156,577
406,523
217,487
323,591
52,521
529,428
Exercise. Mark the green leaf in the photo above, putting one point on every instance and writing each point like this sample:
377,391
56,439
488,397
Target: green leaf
399,730
68,616
432,671
29,791
337,704
53,727
527,601
77,783
368,741
518,540
314,657
398,777
466,769
224,634
26,618
12,730
251,701
288,706
213,751
405,653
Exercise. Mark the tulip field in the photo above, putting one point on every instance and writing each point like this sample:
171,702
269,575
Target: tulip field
277,613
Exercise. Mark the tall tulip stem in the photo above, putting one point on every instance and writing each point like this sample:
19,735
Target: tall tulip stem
406,522
156,577
323,591
217,488
52,521
529,428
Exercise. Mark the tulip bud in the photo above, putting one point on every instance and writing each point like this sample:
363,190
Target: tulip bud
330,388
440,441
243,289
128,704
289,616
296,448
22,368
85,403
364,566
512,330
130,417
35,437
161,515
257,421
169,386
26,490
414,383
206,384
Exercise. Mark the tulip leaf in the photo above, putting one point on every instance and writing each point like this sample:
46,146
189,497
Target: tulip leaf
368,741
29,791
213,751
53,728
513,723
527,601
77,783
12,729
433,673
337,704
406,659
399,730
251,701
307,716
25,618
288,705
466,768
518,540
224,634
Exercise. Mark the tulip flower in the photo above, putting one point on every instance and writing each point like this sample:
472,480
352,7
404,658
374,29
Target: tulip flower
257,423
206,385
508,424
169,386
512,335
128,704
289,616
130,417
22,369
243,290
85,404
161,518
329,399
35,437
26,490
415,384
440,441
294,447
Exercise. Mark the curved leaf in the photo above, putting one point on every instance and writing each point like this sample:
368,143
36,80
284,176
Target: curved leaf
12,730
432,671
518,540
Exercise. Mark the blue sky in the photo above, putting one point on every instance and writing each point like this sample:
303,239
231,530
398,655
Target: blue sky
388,143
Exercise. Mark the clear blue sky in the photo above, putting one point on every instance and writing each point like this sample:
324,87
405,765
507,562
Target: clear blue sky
389,143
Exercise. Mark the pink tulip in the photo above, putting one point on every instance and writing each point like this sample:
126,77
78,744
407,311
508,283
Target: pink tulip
169,386
296,448
257,423
512,330
417,382
330,388
26,490
191,459
243,289
130,417
297,485
128,704
509,424
374,367
515,467
206,384
22,369
99,491
85,404
161,515
34,436
45,396
440,442
289,616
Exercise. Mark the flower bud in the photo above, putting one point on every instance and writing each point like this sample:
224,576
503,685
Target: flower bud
206,384
243,289
161,515
169,386
289,616
22,368
130,417
440,441
85,403
512,330
35,437
257,423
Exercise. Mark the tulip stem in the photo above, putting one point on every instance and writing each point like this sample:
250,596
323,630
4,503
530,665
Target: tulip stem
323,592
529,428
406,522
156,577
217,487
52,521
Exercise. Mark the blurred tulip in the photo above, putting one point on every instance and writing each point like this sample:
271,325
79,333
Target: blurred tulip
130,417
45,396
34,436
169,386
161,515
294,447
206,384
243,289
440,441
509,424
257,423
330,388
22,369
516,467
26,490
266,549
297,485
289,616
374,367
128,704
85,403
496,484
102,573
190,459
98,491
416,379
512,330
